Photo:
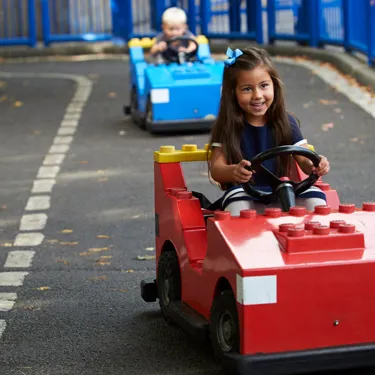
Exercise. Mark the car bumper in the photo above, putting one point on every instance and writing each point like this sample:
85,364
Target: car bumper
334,358
179,125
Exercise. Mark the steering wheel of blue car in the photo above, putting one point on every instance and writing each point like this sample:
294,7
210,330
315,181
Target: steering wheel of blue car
282,189
181,57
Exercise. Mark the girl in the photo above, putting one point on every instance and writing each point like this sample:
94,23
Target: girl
252,118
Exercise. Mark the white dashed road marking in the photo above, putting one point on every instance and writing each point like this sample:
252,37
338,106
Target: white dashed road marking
32,224
19,259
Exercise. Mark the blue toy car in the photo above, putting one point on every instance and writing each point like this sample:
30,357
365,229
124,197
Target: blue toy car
180,94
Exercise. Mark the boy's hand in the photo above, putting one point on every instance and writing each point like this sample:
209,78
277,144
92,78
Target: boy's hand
162,46
240,173
323,167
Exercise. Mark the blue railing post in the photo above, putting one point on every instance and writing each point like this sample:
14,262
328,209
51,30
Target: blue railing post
205,9
371,32
271,20
32,23
45,22
191,16
235,15
259,22
314,22
346,24
160,6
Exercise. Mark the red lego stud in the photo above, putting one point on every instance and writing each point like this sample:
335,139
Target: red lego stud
347,228
347,208
175,191
297,211
285,227
310,225
368,206
184,195
321,230
323,186
296,232
272,212
336,223
248,214
222,215
322,210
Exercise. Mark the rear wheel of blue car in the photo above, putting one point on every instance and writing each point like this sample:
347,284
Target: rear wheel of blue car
224,327
136,118
168,282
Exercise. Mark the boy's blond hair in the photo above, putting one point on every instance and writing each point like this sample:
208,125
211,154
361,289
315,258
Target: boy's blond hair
174,16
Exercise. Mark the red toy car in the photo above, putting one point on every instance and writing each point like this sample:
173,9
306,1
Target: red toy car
277,293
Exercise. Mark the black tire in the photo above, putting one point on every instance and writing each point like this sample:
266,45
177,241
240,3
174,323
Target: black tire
134,105
168,282
149,115
224,327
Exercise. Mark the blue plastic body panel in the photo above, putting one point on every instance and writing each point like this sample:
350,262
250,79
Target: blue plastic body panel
187,92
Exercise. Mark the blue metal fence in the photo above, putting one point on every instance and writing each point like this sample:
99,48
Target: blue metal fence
350,23
17,23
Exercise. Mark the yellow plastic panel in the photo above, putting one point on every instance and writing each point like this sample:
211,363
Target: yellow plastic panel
169,154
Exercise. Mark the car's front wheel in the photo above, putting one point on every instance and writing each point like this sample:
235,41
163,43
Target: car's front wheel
224,327
168,282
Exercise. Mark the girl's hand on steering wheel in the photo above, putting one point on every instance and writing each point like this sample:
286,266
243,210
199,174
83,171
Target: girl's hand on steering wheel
162,46
323,167
240,173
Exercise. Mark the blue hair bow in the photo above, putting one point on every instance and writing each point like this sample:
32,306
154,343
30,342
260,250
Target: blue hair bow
232,56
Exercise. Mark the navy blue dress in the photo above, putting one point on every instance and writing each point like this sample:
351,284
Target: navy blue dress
257,139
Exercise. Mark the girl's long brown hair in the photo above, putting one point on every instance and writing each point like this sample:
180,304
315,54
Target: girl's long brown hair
230,122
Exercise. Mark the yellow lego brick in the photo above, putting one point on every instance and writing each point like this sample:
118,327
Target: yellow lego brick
188,153
134,42
201,39
147,42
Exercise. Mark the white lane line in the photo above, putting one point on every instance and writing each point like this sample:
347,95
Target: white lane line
28,239
19,259
33,222
48,172
3,325
53,159
66,131
69,123
62,140
42,186
59,149
12,278
39,202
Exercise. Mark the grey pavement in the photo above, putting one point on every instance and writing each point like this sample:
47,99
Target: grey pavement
92,320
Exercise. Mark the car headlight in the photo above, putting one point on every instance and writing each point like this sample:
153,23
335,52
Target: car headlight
159,96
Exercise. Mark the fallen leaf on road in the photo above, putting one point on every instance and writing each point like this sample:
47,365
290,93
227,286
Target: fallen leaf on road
3,98
327,102
99,278
355,139
121,290
122,132
63,261
150,248
338,110
136,216
97,249
112,94
2,84
37,132
52,241
83,162
102,262
67,231
7,244
326,127
128,271
146,257
18,104
308,104
69,243
106,257
102,236
103,179
43,288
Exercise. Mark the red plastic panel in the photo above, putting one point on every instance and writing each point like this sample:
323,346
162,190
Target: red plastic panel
196,244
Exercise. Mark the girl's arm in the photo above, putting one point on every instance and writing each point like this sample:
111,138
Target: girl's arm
307,166
223,173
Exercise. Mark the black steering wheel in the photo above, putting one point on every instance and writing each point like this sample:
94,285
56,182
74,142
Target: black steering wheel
283,188
180,57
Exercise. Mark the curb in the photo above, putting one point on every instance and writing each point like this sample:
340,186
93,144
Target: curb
344,62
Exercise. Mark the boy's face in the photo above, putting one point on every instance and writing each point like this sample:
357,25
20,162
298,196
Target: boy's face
174,30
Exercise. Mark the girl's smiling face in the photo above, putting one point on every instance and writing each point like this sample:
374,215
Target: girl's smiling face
255,94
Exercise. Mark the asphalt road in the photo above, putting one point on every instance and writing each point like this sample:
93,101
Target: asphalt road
91,319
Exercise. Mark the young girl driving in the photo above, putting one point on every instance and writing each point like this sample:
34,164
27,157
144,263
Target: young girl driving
252,118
